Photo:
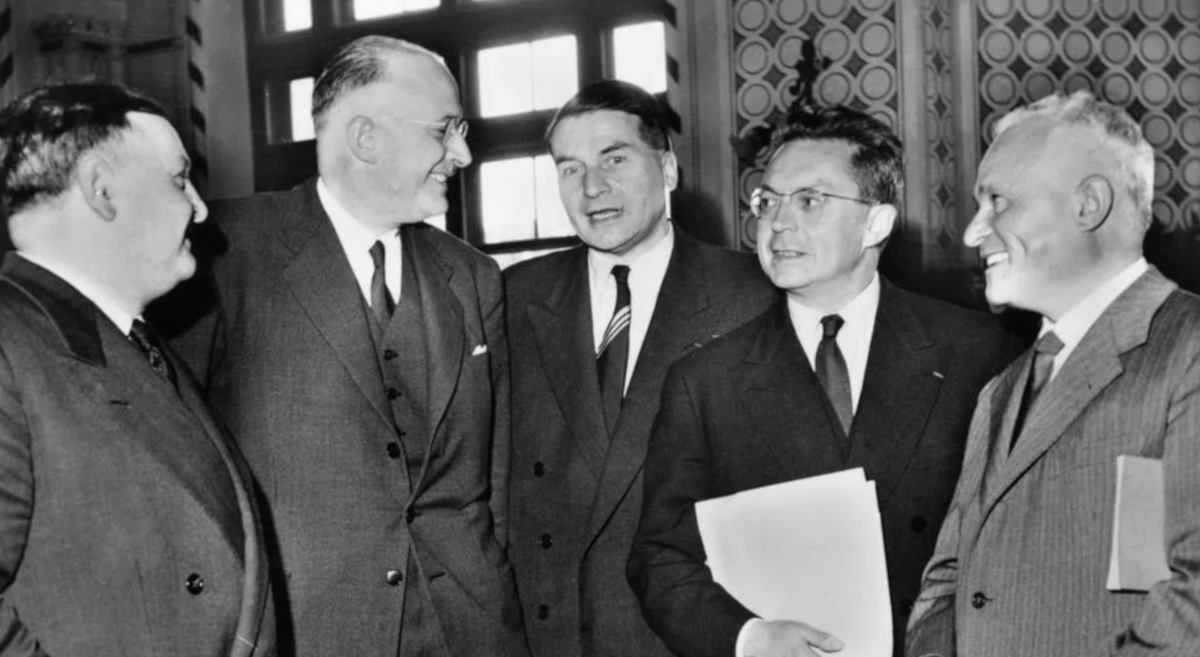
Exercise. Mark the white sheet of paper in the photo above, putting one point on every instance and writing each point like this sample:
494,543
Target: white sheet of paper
1138,558
809,550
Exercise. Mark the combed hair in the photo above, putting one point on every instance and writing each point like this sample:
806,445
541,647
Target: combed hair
877,164
1116,132
653,123
355,65
45,132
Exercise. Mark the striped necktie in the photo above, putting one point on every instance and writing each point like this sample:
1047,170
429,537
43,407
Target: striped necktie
613,354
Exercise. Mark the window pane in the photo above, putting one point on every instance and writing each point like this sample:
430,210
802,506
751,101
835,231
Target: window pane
297,15
364,9
507,193
552,220
526,76
300,100
640,55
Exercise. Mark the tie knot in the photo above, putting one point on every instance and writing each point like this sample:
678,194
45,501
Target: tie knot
377,254
621,273
140,333
1048,344
831,324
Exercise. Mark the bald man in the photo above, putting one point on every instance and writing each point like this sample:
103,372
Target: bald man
358,356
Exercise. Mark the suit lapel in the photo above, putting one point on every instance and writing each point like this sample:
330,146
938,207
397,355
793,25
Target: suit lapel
323,283
562,327
785,401
682,296
117,374
442,312
1091,367
900,388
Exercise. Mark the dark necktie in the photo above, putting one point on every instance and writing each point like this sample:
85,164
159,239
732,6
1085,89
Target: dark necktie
1044,351
831,370
381,300
144,338
613,354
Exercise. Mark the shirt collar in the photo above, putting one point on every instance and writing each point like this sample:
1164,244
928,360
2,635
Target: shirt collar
107,303
858,313
1073,325
355,237
653,261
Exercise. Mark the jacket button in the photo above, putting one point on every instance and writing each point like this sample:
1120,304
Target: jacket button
539,469
393,450
918,524
194,584
394,577
547,541
389,354
543,612
979,600
392,393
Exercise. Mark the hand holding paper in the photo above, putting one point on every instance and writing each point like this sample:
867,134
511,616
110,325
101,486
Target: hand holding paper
809,550
788,638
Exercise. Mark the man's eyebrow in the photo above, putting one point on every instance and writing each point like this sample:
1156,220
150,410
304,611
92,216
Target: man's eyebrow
615,146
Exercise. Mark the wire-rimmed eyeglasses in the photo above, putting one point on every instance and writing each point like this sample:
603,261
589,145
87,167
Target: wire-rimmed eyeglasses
447,127
765,202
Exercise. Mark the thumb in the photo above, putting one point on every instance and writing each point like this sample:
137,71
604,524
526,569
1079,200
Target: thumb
823,640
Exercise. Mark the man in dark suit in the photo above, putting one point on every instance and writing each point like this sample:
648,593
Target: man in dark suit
847,371
127,525
358,356
1022,562
580,432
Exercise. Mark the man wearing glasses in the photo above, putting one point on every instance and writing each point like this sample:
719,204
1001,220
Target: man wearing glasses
358,356
846,371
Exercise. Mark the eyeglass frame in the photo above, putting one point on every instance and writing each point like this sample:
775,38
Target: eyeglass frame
455,125
757,192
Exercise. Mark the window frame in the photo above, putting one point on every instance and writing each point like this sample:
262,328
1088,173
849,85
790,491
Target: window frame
457,30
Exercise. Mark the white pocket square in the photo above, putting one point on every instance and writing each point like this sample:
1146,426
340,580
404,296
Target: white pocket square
480,349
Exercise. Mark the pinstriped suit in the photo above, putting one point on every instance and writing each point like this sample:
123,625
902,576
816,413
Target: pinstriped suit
1022,558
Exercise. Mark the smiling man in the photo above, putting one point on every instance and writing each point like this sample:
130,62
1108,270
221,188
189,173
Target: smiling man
845,371
128,524
358,356
1065,194
593,331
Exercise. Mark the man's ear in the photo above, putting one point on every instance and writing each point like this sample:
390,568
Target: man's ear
1095,196
670,170
93,175
881,218
363,139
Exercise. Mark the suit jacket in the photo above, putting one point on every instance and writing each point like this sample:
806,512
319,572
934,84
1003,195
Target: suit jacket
748,411
127,526
576,498
1022,560
289,360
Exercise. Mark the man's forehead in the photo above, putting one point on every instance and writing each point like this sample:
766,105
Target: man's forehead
819,160
596,131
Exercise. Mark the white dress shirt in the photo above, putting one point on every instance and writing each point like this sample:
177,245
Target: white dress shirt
357,240
646,275
854,338
107,304
1074,324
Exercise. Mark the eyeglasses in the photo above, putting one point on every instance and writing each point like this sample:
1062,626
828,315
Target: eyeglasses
449,127
765,202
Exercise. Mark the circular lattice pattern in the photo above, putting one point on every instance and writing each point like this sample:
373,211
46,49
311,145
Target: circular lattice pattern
1143,55
856,42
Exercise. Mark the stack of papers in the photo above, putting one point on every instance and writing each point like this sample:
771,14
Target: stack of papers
809,550
1138,558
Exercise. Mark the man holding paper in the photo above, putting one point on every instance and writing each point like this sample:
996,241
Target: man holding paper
846,371
1022,561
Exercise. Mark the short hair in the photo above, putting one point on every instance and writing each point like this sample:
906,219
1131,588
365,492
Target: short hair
1115,131
45,132
654,126
355,65
877,164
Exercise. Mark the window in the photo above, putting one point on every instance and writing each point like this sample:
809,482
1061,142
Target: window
516,62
